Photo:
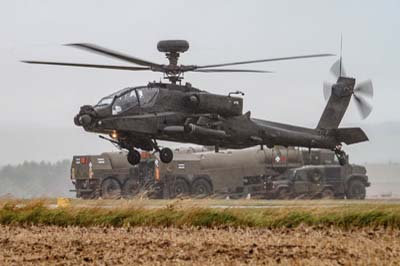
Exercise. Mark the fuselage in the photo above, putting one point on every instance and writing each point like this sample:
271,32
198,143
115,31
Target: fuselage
185,114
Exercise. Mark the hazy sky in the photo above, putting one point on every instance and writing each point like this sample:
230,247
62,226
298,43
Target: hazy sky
218,31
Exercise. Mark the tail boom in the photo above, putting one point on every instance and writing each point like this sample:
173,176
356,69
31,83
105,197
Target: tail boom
337,104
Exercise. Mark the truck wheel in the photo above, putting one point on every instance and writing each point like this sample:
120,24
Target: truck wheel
316,176
283,193
201,187
327,193
181,188
356,190
130,188
110,189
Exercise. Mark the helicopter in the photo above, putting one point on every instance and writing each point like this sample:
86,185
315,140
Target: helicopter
137,117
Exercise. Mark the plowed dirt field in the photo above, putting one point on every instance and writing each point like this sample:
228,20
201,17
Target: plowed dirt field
52,245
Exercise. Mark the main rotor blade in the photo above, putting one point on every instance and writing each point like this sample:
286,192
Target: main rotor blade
113,54
231,70
365,88
265,60
327,86
363,106
87,65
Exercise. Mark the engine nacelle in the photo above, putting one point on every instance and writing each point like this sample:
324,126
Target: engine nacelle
215,104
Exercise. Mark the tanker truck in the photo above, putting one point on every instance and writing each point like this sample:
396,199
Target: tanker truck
199,173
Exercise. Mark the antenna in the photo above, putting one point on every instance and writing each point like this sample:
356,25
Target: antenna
341,46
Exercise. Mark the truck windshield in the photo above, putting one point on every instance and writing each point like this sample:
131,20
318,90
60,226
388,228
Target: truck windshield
291,174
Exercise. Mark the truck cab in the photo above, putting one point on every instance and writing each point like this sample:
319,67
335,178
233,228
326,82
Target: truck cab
109,175
320,181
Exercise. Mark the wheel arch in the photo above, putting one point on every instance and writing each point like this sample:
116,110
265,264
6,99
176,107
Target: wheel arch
361,178
110,177
185,179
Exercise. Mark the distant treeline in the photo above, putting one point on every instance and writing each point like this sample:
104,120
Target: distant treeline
33,179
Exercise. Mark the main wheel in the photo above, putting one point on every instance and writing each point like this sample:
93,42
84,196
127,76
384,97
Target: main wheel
110,189
201,187
181,188
166,155
356,190
133,157
130,188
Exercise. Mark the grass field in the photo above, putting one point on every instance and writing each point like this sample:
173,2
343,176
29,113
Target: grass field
204,213
199,232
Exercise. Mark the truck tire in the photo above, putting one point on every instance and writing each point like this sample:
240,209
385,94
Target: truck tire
180,188
316,176
356,190
130,188
283,193
201,187
110,189
327,193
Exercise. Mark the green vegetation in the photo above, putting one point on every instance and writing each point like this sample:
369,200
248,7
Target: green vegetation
346,216
35,179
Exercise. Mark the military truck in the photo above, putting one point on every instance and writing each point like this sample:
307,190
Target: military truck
235,173
110,175
320,181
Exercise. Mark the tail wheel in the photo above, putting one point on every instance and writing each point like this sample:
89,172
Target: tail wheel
201,187
130,188
181,188
283,193
328,193
133,157
110,189
166,155
356,190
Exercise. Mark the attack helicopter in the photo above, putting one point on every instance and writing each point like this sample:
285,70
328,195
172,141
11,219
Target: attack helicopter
136,117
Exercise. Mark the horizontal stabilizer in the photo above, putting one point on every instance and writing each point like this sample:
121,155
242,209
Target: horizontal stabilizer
349,135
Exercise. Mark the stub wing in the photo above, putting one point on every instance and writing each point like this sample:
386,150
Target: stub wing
349,135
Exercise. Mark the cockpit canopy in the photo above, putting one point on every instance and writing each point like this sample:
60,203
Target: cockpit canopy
128,98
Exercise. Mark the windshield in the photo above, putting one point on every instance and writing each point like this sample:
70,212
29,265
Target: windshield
108,99
291,174
128,98
105,101
147,95
125,101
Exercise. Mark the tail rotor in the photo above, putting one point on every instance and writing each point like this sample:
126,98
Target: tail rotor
360,92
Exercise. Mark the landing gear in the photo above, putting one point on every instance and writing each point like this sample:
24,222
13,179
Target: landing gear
166,155
133,157
341,155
